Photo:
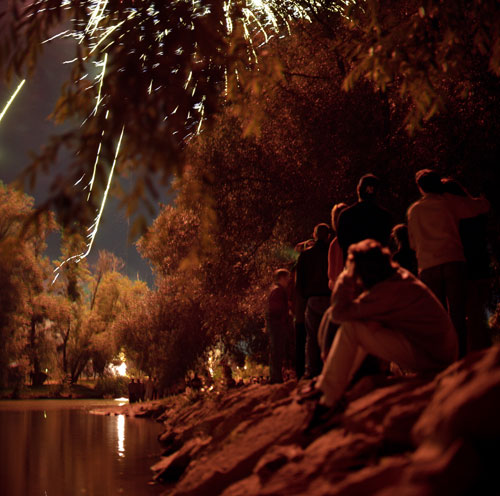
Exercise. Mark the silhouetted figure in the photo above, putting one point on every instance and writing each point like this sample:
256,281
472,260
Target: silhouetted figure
403,254
433,227
148,387
299,313
335,255
141,390
383,310
365,219
327,328
473,234
312,285
133,391
278,324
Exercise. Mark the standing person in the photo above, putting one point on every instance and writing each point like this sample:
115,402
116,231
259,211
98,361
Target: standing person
404,255
433,227
132,391
383,310
473,234
312,284
335,255
327,328
278,324
365,219
299,313
148,386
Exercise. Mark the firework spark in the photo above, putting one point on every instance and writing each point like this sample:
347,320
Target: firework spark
260,21
11,99
93,229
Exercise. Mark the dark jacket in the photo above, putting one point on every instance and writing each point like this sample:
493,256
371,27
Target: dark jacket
473,233
312,271
363,220
277,312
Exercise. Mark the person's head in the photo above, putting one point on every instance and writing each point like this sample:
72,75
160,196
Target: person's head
336,211
429,181
281,277
399,235
372,262
321,232
368,187
453,187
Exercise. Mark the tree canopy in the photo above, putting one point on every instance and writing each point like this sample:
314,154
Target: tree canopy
156,73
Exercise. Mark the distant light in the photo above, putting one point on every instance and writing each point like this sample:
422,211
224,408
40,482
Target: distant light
122,369
119,370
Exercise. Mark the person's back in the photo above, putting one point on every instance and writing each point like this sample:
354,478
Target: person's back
365,219
433,226
312,271
433,221
403,303
312,283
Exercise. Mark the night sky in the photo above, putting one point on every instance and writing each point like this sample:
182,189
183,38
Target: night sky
25,128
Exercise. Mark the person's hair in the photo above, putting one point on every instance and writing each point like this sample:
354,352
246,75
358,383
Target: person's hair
336,211
278,274
372,262
368,187
399,234
453,187
321,232
429,181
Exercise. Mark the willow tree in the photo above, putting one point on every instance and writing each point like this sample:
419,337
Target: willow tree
149,75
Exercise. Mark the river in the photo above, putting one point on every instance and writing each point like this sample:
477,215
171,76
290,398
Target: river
58,448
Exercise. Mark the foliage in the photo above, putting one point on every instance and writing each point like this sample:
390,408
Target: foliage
57,325
112,386
186,60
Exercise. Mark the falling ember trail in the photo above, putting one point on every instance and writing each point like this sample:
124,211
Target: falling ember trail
95,226
11,99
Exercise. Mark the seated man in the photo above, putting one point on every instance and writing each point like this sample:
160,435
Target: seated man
384,311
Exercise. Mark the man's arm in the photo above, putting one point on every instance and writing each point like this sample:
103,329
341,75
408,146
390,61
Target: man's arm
466,206
350,302
343,296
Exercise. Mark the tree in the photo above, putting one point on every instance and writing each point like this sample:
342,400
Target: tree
23,270
186,59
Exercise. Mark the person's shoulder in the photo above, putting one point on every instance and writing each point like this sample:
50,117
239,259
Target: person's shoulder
276,289
415,206
349,211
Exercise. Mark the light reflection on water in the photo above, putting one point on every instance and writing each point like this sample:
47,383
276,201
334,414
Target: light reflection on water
120,431
57,448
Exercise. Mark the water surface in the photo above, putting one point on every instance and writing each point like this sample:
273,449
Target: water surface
58,448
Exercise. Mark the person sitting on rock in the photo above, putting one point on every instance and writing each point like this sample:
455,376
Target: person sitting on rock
383,310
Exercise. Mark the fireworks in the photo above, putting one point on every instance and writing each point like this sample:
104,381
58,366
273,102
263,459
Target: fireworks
159,40
11,99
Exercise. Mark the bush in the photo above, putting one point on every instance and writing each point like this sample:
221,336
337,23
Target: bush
113,386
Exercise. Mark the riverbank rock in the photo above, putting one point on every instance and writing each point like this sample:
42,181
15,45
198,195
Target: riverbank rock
403,436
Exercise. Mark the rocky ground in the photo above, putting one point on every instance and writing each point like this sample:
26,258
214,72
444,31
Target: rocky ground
398,436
